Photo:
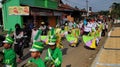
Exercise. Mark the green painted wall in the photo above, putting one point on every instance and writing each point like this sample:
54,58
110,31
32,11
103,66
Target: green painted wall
40,3
9,21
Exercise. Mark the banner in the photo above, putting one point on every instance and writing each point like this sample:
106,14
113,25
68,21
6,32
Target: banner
18,10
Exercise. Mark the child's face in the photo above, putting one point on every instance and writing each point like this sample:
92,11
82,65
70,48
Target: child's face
35,54
52,46
6,46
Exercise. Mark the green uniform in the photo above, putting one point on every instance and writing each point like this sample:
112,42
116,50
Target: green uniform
54,55
9,57
38,62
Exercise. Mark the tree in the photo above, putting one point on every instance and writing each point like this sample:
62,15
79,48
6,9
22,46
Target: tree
103,12
115,10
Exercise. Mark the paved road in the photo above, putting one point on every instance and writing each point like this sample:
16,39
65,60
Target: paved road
72,56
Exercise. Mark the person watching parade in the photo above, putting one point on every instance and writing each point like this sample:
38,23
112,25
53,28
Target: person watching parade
43,28
18,43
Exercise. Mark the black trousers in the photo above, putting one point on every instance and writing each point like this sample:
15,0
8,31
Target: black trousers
86,33
103,32
19,50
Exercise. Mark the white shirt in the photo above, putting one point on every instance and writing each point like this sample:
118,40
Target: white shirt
70,24
87,29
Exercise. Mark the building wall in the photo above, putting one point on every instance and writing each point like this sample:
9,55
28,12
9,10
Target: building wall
9,21
40,3
52,21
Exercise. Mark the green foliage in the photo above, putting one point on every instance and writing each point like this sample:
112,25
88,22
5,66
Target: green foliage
103,12
115,10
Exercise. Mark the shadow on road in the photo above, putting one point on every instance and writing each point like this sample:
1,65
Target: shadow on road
64,51
26,56
89,48
68,65
79,41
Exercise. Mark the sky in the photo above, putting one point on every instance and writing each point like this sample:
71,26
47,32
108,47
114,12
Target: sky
97,5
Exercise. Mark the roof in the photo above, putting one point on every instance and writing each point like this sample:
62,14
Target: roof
66,7
40,3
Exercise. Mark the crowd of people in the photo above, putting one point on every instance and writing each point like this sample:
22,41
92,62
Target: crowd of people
38,37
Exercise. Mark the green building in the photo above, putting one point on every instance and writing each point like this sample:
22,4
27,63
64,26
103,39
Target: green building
9,21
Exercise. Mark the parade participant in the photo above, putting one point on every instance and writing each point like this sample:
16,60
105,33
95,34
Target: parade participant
9,54
36,52
86,30
103,28
70,24
85,22
100,27
66,27
93,32
34,32
51,31
106,27
18,44
45,38
58,35
75,30
98,35
54,55
74,36
57,29
43,28
81,27
62,32
26,35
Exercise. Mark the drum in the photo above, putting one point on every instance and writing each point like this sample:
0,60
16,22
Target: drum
31,64
49,63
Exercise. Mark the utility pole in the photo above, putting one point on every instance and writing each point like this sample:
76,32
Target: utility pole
87,8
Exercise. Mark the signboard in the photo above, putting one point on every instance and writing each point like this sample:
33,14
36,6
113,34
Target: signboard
45,13
18,10
57,14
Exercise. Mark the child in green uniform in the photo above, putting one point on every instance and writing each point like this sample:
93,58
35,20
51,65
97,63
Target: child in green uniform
53,55
9,54
36,52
